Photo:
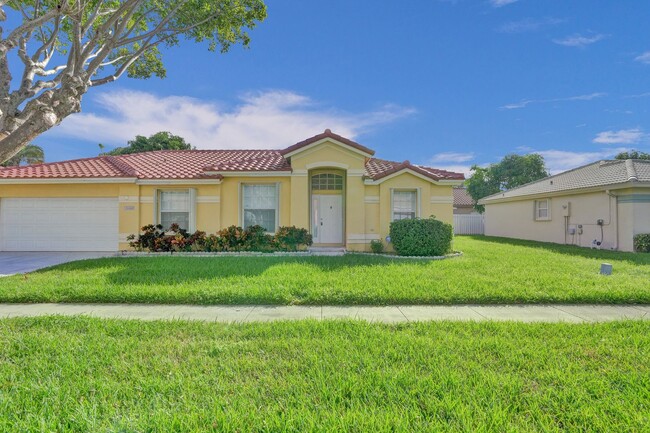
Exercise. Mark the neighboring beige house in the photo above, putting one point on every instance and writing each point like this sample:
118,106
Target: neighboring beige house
463,202
602,205
327,184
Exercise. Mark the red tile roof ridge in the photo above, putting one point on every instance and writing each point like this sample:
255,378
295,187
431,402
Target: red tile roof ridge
327,134
198,150
122,166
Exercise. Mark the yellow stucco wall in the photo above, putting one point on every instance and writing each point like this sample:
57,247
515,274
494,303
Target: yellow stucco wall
367,207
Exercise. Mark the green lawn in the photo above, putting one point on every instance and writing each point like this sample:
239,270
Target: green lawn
491,270
91,375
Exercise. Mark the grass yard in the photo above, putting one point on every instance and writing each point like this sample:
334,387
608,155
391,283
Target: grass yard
90,375
492,270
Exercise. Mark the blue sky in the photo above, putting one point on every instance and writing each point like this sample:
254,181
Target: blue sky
444,83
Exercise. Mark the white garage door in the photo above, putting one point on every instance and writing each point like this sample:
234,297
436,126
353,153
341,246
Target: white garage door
58,224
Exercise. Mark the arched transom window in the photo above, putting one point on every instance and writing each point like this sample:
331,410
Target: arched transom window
327,182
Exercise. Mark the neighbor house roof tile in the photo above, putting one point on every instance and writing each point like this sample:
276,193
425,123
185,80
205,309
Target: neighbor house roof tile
594,175
462,198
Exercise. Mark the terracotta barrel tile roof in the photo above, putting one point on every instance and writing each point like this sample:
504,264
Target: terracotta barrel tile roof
203,164
78,168
379,168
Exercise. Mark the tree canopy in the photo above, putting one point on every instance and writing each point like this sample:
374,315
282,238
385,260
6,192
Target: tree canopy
158,141
633,154
30,154
512,171
61,48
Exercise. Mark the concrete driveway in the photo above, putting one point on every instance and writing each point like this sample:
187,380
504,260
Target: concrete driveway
22,262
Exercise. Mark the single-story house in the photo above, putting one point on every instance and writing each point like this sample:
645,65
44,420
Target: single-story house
327,183
463,202
603,205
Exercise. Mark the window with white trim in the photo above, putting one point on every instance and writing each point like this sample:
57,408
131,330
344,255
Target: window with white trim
404,205
175,208
260,206
542,210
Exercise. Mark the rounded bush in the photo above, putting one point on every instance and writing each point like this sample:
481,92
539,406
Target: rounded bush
421,237
642,243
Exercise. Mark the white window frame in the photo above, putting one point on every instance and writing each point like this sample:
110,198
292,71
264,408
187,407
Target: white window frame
191,211
277,202
537,208
418,201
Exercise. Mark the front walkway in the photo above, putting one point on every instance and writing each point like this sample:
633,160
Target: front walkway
390,314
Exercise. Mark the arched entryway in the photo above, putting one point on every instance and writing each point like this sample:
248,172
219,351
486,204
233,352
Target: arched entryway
327,199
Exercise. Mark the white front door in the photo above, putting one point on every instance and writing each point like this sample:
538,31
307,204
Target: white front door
327,218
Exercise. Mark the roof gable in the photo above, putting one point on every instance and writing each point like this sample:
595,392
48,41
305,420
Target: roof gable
319,138
381,169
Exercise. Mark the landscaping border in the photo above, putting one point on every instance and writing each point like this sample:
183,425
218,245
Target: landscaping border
276,254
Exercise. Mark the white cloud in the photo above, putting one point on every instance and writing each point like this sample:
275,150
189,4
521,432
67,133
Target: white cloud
452,157
500,3
263,120
579,41
558,161
643,58
526,102
528,25
622,136
638,95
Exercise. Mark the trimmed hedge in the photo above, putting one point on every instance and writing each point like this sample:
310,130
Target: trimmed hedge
421,237
642,243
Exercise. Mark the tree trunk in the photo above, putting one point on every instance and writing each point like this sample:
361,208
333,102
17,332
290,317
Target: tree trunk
15,141
41,114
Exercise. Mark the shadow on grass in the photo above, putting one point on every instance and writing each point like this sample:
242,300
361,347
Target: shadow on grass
572,250
166,270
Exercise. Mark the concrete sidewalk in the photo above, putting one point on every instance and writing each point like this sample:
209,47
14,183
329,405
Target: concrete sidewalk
390,314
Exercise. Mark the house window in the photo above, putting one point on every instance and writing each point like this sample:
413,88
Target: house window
404,205
327,182
260,206
542,210
175,209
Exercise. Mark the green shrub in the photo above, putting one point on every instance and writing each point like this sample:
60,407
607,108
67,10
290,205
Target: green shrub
421,237
234,238
154,238
257,239
292,238
642,243
377,246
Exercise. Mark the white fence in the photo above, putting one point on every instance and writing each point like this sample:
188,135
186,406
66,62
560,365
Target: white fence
469,224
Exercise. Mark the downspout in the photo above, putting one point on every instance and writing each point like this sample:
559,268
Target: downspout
609,193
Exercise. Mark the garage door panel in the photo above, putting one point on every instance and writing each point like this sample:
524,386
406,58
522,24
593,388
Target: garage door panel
59,224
